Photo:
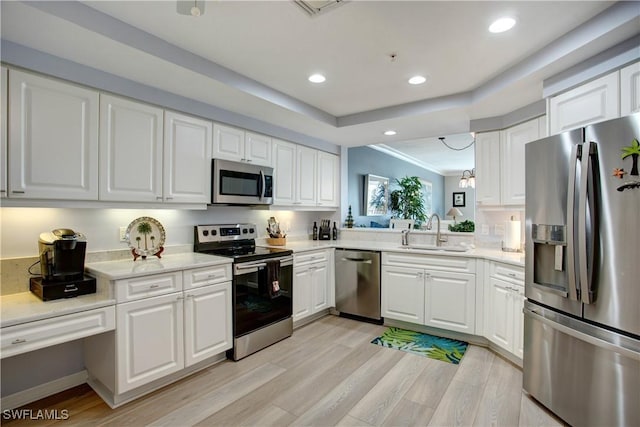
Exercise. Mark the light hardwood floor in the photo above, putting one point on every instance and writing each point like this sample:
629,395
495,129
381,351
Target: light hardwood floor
326,374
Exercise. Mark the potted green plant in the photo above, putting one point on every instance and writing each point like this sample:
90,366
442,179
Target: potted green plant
407,202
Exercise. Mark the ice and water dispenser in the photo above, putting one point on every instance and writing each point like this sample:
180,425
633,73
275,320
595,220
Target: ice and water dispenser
550,257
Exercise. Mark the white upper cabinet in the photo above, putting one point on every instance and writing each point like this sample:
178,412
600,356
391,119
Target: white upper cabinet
53,139
235,144
500,163
488,168
228,143
630,89
257,149
130,150
284,170
328,179
3,133
187,159
306,176
513,141
590,103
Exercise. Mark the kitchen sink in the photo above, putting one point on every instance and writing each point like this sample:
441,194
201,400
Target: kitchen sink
435,248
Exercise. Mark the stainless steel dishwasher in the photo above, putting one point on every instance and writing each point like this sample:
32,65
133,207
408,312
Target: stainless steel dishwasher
358,283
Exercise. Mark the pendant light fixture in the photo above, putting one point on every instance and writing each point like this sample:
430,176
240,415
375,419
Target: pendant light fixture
468,179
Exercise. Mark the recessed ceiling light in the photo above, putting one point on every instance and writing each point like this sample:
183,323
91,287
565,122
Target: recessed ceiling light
390,132
417,80
317,78
501,25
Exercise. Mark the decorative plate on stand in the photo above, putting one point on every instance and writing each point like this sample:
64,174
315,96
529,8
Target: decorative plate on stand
145,236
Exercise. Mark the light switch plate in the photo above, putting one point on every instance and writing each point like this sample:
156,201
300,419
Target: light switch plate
123,234
485,230
499,229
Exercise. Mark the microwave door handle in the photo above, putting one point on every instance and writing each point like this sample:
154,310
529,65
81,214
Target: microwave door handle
571,240
586,225
261,186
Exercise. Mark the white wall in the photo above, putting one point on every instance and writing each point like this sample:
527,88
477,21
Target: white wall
20,227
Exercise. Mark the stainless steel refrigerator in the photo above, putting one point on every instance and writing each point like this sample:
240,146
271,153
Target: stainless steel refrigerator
582,283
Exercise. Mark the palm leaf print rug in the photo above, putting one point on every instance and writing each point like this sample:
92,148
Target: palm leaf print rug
444,349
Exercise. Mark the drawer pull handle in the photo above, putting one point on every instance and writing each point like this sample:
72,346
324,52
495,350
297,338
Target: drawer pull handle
74,289
512,274
17,191
214,276
18,341
154,286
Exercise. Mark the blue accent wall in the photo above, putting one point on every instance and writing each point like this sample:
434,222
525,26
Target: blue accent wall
365,160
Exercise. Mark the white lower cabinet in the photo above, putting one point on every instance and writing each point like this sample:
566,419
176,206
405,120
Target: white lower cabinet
505,301
160,335
450,301
403,294
207,322
149,340
312,283
441,294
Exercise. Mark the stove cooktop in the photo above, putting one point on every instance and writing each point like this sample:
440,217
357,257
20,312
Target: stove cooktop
237,241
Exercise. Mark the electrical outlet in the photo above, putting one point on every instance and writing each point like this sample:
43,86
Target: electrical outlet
123,234
499,229
484,230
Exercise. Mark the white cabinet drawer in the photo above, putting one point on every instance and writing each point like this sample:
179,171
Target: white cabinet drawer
309,257
511,273
431,262
147,286
44,333
197,277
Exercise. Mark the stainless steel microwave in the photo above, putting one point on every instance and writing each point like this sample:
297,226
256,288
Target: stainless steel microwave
236,183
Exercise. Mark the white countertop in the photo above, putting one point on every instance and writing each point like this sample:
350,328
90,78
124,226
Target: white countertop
27,307
114,270
513,258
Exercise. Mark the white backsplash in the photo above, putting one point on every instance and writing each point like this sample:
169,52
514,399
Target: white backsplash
490,225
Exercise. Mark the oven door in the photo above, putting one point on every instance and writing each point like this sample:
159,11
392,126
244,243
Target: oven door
241,183
256,304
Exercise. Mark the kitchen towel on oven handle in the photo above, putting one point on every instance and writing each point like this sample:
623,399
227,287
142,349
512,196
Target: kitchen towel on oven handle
273,283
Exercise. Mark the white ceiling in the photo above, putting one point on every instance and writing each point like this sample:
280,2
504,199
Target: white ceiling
253,57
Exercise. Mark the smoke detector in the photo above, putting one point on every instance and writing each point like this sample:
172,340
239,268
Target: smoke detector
316,7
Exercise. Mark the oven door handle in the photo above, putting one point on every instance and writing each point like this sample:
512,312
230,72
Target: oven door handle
238,268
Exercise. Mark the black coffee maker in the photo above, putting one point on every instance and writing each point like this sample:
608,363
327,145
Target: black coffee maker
62,252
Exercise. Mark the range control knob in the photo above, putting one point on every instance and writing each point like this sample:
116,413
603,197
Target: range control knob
214,232
205,232
251,230
245,231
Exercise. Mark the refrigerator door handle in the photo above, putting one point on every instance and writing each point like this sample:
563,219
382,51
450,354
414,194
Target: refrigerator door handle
573,290
585,237
582,336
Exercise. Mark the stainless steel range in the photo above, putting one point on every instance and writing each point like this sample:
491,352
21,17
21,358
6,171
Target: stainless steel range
262,285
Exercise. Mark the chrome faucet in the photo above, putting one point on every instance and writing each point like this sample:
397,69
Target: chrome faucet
439,238
405,237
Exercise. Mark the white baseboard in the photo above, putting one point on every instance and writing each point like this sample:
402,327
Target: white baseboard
43,390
